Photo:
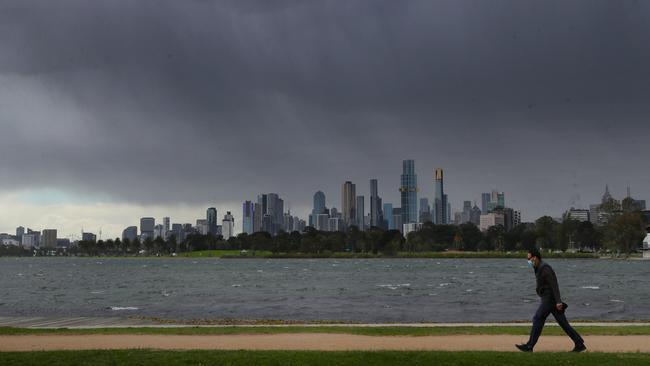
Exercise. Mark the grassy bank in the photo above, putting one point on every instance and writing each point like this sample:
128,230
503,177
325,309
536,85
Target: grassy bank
370,331
378,358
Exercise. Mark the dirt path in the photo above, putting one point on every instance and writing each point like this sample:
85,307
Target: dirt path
322,342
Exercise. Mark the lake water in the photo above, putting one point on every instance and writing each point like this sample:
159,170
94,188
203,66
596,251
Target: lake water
362,290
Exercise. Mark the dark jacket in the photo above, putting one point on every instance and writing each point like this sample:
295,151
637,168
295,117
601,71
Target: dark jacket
547,282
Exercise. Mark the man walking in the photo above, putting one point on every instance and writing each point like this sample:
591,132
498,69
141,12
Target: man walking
551,303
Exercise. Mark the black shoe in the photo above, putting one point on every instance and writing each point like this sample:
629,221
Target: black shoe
579,348
525,347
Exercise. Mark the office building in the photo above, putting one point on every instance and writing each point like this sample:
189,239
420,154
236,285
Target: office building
130,233
31,239
348,203
491,219
48,238
159,232
360,211
424,214
485,202
322,222
387,223
408,193
397,219
212,220
475,215
228,226
578,214
317,208
19,233
272,212
248,216
376,219
93,238
147,225
411,227
440,200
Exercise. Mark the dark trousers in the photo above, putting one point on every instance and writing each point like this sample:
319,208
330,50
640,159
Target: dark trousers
546,307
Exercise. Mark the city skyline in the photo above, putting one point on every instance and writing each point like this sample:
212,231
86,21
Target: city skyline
167,108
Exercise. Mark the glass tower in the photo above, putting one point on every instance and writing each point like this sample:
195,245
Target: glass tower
409,192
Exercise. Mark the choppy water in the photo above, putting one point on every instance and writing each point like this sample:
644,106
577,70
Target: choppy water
374,290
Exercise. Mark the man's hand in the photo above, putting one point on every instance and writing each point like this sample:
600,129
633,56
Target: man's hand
559,306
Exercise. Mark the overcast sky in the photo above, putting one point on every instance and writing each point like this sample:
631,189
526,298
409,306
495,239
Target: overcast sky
112,110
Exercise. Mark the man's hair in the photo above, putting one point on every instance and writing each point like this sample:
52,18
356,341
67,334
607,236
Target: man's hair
535,253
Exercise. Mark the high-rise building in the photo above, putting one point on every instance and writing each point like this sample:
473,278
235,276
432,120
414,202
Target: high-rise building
446,199
48,238
318,207
440,203
31,239
212,220
376,219
501,199
19,233
159,232
491,219
228,226
517,218
467,212
360,211
130,233
322,222
485,202
92,237
166,224
425,211
348,203
272,206
257,217
147,225
202,227
397,219
409,192
248,215
578,214
475,215
388,223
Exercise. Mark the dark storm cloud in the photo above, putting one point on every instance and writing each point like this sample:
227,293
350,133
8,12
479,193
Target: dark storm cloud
170,101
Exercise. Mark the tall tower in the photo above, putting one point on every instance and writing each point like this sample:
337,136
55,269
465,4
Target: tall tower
360,211
211,218
409,192
440,202
375,205
348,203
248,216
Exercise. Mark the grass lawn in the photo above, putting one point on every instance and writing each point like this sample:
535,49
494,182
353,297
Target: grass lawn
370,331
284,358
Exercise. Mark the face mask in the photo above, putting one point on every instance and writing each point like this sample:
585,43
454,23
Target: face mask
530,263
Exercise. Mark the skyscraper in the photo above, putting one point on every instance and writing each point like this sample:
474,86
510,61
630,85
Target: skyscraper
440,203
375,205
360,211
485,201
211,219
227,226
409,192
318,208
348,203
272,212
425,211
388,217
130,233
248,215
147,225
166,225
48,238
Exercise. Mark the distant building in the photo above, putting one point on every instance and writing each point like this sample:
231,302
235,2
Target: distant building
159,232
408,193
147,225
517,218
491,219
166,224
211,221
322,222
388,217
228,226
90,237
411,227
348,203
130,233
360,211
317,208
63,243
257,217
48,238
272,212
578,214
335,224
248,216
440,203
475,216
485,203
466,213
202,227
19,233
376,217
31,239
397,219
424,214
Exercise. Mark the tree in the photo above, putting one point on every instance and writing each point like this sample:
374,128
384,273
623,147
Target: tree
471,236
625,232
546,232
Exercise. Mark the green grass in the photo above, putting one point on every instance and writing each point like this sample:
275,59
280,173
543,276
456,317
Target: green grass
370,331
224,253
287,358
232,254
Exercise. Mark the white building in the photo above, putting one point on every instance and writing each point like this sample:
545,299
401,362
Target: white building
31,240
491,219
10,241
228,226
411,227
646,246
578,214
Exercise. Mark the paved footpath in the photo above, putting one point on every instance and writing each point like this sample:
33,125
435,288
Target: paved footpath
317,342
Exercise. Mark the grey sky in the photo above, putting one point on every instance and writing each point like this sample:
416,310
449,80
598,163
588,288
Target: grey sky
202,102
